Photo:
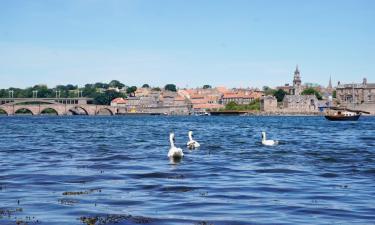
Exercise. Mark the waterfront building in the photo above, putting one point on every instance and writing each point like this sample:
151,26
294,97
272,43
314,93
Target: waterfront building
167,98
300,103
202,108
165,102
297,103
143,92
204,99
293,102
209,95
241,96
356,93
133,101
268,104
180,101
238,98
118,102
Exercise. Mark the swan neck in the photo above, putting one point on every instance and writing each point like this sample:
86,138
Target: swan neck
171,141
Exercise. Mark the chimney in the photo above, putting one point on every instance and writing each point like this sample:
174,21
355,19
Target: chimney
365,81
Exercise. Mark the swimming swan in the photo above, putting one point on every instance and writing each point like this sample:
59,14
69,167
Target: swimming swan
268,142
192,144
174,152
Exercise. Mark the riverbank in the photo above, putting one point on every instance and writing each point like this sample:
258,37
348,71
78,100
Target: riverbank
216,113
261,113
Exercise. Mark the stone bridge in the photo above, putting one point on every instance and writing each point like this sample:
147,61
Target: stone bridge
67,107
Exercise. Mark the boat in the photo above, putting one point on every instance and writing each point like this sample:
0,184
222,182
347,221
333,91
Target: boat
201,113
343,114
228,113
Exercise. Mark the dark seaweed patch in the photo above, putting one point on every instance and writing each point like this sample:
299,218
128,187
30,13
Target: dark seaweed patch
9,212
81,192
113,219
203,223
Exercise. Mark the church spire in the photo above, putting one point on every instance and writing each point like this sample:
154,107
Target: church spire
297,71
330,83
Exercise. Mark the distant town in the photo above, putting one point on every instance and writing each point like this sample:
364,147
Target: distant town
290,98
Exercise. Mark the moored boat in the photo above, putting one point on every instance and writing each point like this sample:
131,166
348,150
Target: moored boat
343,114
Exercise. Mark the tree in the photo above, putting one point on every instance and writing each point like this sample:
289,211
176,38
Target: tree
106,97
265,88
89,91
116,84
43,91
268,91
254,105
101,85
312,91
170,87
206,86
71,87
279,94
4,93
145,86
231,106
131,90
334,94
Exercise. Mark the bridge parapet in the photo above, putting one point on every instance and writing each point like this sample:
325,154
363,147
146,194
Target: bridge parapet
69,101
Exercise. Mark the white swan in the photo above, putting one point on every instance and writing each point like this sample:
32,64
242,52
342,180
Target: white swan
268,142
174,152
192,144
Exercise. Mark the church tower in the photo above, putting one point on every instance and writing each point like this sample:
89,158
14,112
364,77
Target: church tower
297,82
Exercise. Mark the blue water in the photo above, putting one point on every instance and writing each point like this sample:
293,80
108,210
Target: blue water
115,170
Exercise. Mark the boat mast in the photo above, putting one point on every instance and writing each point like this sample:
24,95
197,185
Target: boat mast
353,97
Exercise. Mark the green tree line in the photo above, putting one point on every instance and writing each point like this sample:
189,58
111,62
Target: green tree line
100,92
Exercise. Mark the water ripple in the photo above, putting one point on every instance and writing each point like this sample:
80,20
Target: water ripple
114,170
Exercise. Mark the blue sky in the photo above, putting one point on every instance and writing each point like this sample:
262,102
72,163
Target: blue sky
240,43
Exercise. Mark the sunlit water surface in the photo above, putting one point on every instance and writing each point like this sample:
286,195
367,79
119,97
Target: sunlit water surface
115,170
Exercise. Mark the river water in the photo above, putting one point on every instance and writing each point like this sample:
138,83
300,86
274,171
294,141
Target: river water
115,170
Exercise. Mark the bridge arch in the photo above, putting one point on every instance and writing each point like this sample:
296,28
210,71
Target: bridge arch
49,110
79,110
23,110
55,108
3,112
105,111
